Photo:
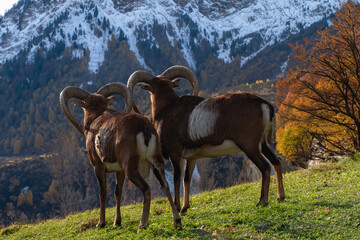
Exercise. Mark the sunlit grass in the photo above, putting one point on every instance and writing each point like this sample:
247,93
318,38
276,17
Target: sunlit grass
322,203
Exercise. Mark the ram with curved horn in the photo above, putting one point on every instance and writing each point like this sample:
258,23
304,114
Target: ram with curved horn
192,127
125,143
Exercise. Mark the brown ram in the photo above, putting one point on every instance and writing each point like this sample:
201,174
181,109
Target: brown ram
192,127
125,143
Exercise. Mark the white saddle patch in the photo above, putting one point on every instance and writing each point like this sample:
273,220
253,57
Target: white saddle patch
267,121
202,121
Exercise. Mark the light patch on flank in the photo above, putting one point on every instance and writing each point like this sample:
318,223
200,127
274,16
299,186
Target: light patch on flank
101,140
112,167
228,147
201,121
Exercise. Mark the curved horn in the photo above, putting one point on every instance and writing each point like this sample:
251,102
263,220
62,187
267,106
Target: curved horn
117,88
177,71
135,78
65,95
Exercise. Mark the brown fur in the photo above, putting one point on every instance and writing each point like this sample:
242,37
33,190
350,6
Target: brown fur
240,120
111,137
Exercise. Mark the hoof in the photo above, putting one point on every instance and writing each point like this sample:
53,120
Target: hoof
184,209
281,199
140,228
177,224
100,225
262,204
117,224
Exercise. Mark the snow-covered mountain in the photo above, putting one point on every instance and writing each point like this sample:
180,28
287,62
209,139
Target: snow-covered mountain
231,28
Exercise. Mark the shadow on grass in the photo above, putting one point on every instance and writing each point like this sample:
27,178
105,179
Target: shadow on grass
203,234
333,205
10,230
88,224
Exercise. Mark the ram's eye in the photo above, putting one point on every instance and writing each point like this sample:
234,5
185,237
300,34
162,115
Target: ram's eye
79,104
175,82
145,87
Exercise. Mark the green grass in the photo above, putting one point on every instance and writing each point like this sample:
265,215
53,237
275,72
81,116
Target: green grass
322,203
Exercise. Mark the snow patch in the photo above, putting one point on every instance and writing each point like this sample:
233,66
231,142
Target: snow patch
284,65
219,24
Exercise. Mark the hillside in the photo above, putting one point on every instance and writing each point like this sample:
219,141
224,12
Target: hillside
322,203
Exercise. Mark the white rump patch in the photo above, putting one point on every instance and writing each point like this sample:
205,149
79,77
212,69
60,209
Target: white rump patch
146,153
141,144
202,121
266,120
266,112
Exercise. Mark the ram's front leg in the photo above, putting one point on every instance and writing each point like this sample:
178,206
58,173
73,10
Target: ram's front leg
101,177
177,165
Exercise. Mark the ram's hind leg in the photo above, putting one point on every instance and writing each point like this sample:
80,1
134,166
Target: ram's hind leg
271,156
159,171
135,177
120,177
101,177
258,159
189,169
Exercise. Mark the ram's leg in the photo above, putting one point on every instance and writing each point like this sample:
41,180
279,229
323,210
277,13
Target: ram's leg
120,177
135,177
271,156
176,161
101,177
159,172
189,169
258,159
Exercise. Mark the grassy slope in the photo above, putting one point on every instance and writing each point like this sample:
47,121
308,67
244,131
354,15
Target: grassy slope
322,203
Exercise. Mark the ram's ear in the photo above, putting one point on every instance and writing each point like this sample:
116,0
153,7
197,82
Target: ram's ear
145,87
79,104
175,82
110,100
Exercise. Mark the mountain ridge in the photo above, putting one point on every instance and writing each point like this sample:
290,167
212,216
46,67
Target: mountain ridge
227,26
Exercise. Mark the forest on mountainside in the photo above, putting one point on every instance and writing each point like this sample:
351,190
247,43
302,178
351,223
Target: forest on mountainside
318,100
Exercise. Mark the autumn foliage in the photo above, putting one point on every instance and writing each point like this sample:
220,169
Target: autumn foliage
318,101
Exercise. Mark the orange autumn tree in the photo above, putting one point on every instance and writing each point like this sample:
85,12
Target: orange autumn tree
318,101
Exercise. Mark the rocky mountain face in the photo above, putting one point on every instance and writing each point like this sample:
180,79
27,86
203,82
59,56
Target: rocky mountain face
230,31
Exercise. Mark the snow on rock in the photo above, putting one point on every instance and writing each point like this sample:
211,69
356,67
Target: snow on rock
218,22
